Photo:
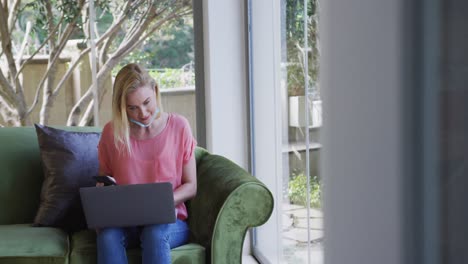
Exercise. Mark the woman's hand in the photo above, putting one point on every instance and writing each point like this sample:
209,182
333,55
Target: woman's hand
99,184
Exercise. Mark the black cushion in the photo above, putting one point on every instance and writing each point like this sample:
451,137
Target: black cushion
69,160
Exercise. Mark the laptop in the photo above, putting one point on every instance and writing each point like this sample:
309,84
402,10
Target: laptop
128,205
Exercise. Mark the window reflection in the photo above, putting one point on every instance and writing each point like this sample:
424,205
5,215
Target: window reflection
302,219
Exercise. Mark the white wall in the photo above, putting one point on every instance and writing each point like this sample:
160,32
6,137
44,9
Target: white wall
267,107
225,79
361,80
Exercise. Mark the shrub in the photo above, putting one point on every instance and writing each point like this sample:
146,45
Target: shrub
173,78
297,190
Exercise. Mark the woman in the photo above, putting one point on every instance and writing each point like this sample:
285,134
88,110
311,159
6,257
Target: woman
143,144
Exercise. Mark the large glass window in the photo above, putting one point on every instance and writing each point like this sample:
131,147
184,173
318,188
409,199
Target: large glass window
287,121
302,226
49,49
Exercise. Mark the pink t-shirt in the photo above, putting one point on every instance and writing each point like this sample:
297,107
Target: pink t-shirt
158,159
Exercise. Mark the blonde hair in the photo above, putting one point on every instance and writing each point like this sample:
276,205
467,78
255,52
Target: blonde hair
130,78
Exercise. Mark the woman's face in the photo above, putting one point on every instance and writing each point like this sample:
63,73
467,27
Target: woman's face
141,104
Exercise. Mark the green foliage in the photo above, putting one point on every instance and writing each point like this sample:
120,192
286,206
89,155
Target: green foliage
296,50
168,54
297,190
174,47
36,12
170,47
173,78
295,17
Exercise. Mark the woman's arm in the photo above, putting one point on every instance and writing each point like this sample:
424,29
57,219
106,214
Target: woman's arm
188,189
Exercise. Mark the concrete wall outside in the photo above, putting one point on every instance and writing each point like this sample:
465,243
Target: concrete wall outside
181,101
294,155
32,75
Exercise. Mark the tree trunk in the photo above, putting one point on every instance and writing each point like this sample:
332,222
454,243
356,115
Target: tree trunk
22,110
48,97
9,115
81,106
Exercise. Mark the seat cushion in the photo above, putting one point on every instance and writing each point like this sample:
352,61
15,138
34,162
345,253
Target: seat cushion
21,244
83,251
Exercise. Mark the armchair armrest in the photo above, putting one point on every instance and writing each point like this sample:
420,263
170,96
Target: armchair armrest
229,201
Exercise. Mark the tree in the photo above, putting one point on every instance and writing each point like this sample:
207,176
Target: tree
295,46
56,22
171,47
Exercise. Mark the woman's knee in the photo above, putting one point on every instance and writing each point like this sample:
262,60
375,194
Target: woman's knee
155,233
110,235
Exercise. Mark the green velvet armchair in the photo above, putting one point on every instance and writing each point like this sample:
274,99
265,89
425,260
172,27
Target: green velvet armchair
229,201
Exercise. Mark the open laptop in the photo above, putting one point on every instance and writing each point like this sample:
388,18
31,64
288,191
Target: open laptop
128,205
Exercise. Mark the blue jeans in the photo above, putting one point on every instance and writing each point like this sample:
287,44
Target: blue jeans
156,242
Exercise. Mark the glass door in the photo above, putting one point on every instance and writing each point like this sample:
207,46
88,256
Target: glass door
286,119
301,206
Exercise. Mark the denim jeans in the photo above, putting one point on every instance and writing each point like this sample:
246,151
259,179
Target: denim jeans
156,242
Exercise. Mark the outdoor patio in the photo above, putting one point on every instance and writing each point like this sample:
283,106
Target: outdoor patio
294,234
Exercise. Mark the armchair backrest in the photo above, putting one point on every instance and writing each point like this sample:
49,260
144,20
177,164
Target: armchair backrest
21,175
